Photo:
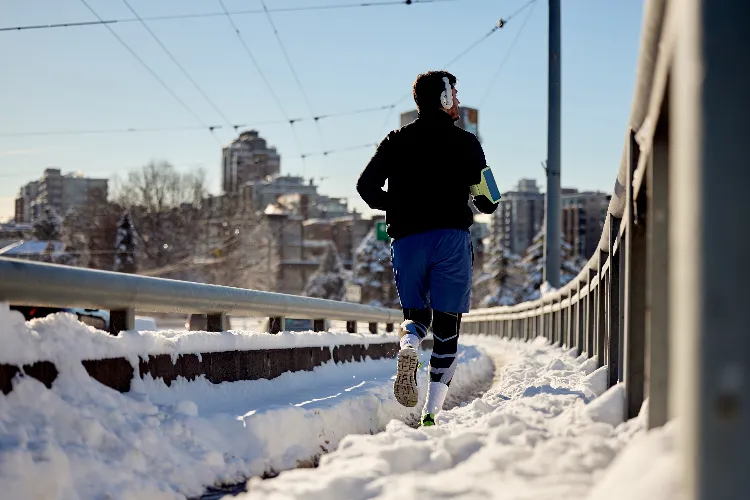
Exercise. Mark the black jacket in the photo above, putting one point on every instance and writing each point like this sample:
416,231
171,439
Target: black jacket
429,165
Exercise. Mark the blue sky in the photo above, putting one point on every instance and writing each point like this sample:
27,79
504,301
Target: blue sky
81,78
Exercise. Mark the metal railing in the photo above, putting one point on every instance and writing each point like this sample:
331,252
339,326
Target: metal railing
26,283
662,303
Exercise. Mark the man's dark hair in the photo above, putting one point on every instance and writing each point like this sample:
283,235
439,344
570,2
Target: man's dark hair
428,87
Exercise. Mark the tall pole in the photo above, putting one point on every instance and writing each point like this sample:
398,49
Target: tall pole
553,215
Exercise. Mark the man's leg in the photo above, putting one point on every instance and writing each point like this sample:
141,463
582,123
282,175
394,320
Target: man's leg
412,281
450,291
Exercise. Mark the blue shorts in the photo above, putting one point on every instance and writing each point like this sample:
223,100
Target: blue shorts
433,269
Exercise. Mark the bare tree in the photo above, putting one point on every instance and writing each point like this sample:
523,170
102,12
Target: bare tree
165,205
237,244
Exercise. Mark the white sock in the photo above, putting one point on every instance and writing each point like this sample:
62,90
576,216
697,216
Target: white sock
410,340
436,393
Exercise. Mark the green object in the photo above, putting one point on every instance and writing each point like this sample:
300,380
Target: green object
486,186
428,420
381,231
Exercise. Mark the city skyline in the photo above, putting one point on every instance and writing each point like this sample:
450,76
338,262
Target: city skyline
105,88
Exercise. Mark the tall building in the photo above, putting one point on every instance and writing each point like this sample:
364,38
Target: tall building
261,193
61,192
468,119
247,159
583,216
518,216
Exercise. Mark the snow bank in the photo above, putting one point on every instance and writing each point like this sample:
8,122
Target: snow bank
532,435
81,439
61,338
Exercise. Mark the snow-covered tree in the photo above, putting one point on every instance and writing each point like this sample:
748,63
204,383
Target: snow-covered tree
329,281
49,227
532,264
126,246
373,272
499,281
510,279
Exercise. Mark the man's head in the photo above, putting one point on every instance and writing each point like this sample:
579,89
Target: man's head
427,90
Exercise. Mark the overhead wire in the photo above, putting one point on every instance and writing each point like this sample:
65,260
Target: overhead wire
294,74
507,55
385,3
152,72
499,25
177,63
262,75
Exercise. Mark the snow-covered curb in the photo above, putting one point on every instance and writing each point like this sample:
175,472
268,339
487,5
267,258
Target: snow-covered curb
81,439
61,338
546,430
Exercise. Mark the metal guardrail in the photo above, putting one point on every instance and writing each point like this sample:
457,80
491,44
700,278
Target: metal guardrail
49,285
663,301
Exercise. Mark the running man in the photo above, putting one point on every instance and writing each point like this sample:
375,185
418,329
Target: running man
432,168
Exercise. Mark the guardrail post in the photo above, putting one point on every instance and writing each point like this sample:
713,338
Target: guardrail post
319,325
590,312
710,244
276,324
351,326
121,320
613,306
373,327
635,291
579,322
657,288
216,322
569,322
601,310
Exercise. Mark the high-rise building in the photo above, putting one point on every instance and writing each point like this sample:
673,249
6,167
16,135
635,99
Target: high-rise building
583,216
518,216
61,192
468,119
247,159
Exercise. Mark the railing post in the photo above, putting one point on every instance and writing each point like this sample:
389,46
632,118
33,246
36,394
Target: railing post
635,290
613,299
590,308
121,320
216,322
319,325
601,310
569,321
657,289
579,322
351,326
710,244
276,324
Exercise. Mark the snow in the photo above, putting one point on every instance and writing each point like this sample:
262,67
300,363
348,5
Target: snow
62,338
547,428
540,432
81,439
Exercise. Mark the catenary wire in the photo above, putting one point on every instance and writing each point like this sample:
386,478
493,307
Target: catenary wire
177,63
221,14
262,75
294,71
153,73
500,24
507,56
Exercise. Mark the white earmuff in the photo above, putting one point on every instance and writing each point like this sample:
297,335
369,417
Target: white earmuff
446,98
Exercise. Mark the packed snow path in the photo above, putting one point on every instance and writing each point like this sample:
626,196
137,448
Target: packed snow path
545,430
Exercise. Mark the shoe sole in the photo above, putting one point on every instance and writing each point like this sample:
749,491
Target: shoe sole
405,386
